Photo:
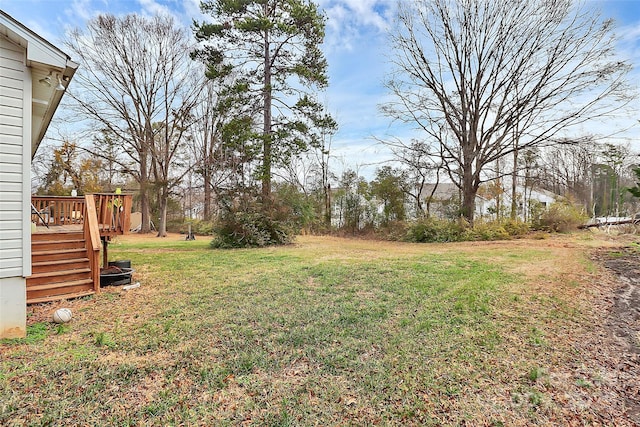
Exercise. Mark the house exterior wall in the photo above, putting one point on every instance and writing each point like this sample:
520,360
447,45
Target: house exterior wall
15,180
13,307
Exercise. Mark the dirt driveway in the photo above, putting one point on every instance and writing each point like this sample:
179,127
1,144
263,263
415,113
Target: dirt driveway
622,324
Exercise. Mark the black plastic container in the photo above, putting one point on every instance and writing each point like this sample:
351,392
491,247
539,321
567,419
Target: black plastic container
126,263
117,278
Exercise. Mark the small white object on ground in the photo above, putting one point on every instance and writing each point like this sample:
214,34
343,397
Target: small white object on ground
62,315
129,287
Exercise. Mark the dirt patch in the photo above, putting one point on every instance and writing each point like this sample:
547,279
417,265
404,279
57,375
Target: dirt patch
625,316
622,324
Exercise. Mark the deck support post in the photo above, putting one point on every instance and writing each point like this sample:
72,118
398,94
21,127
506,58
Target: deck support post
105,252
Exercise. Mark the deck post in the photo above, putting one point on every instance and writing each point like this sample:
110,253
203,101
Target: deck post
105,255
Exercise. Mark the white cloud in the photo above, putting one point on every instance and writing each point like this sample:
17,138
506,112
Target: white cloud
152,7
629,42
83,9
351,22
192,8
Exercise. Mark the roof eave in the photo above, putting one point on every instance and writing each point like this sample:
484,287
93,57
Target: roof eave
43,55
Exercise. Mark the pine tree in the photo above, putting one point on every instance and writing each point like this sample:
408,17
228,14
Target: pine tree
273,49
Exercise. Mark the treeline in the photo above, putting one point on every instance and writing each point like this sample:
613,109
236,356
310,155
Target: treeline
221,125
587,179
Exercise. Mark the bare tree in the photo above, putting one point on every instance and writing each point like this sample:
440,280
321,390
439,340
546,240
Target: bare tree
420,165
474,74
222,133
323,157
132,77
567,170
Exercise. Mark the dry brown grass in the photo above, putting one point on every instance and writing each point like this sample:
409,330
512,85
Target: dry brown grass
331,331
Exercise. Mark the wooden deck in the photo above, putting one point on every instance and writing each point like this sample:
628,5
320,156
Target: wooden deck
52,229
70,232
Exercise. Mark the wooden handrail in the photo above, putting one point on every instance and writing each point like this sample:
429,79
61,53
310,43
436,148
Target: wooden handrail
92,237
113,211
59,210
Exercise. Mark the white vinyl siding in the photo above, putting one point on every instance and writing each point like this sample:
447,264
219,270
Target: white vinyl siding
13,81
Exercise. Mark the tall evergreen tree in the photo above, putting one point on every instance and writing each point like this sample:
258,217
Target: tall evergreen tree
273,46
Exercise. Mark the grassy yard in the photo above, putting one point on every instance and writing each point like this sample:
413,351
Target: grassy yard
326,331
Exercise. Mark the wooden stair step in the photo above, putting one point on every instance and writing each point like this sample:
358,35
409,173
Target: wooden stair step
61,261
57,247
48,237
58,276
44,242
61,254
56,285
58,251
59,264
58,244
59,297
60,273
60,290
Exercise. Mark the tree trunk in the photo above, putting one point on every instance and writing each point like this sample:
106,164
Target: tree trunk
266,132
468,204
433,191
469,190
327,205
498,192
162,226
206,176
145,227
514,184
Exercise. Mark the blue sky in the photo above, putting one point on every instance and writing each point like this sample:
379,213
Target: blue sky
354,46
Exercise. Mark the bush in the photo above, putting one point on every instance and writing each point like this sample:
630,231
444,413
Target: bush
393,231
486,231
250,223
561,217
516,228
198,226
300,207
435,230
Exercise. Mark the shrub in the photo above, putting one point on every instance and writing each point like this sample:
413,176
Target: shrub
516,228
486,231
198,226
201,227
250,223
435,230
300,207
561,217
393,231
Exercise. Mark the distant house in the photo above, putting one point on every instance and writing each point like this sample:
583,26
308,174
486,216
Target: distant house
527,197
33,77
445,200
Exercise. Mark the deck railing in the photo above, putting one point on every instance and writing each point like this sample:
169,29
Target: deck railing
113,211
57,210
92,239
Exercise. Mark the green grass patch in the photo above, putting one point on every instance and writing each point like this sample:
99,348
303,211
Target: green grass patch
36,333
345,333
